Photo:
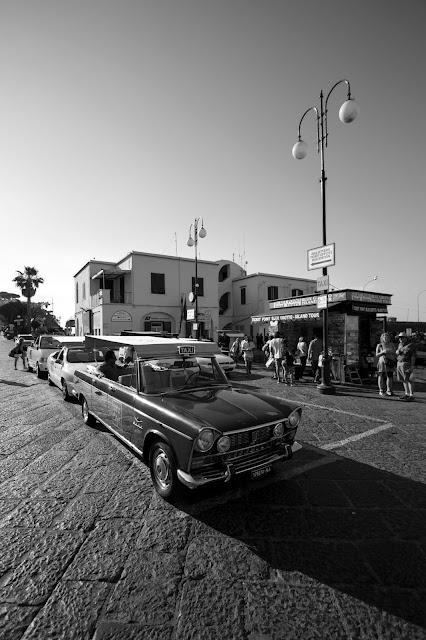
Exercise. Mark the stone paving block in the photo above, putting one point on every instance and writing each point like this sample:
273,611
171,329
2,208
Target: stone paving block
392,615
276,523
277,612
35,575
165,530
214,558
49,462
15,543
349,524
330,562
107,477
227,518
209,610
10,466
33,512
6,506
286,493
19,486
104,552
132,496
396,562
71,612
77,439
407,524
323,492
81,513
14,620
113,631
368,494
136,601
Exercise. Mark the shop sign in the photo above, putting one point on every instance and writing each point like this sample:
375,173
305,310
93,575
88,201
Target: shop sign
190,314
363,309
121,316
321,257
288,317
375,298
304,301
322,302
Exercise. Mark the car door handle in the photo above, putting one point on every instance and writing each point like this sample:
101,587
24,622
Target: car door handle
98,393
112,389
138,423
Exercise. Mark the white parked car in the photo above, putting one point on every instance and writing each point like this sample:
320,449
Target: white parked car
62,364
226,363
43,346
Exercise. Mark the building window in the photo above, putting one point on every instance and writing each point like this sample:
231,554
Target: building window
223,304
224,273
158,283
243,295
200,288
76,292
84,291
272,293
297,292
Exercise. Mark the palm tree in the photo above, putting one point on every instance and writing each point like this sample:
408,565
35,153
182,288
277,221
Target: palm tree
28,281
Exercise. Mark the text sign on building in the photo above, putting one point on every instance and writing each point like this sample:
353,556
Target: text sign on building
121,316
322,302
322,283
321,257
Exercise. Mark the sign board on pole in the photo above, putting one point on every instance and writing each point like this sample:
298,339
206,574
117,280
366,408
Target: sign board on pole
321,257
322,302
190,314
322,283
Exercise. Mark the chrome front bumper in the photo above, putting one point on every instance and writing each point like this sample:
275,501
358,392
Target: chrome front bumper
229,472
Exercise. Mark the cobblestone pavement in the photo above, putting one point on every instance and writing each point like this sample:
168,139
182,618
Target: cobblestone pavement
332,545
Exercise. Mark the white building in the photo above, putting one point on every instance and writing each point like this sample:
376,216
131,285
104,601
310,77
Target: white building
149,292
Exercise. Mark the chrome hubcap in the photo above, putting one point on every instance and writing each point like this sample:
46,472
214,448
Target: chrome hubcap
162,469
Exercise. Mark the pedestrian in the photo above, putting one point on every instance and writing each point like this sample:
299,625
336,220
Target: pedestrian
235,350
266,350
314,351
302,352
386,363
18,353
406,359
288,366
247,348
276,346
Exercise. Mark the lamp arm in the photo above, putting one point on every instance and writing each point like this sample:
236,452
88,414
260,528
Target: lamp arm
326,102
300,124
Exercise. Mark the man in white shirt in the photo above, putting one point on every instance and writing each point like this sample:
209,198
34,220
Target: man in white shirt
302,351
276,346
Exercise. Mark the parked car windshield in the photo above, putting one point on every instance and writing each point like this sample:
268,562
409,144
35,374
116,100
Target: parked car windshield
49,342
168,375
85,355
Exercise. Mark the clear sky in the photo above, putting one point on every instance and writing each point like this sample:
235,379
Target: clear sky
123,121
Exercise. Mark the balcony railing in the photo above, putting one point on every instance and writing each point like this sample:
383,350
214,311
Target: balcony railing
106,296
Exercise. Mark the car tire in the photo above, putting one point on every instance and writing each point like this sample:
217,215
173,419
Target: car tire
64,389
87,416
30,369
50,381
39,371
163,469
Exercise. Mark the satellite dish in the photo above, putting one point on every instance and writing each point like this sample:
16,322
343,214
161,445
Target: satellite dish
191,297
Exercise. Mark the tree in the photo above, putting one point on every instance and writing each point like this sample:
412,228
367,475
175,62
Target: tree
28,281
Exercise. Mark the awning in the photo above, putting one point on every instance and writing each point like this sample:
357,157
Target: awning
294,314
110,273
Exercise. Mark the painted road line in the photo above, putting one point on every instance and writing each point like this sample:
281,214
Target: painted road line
358,436
347,413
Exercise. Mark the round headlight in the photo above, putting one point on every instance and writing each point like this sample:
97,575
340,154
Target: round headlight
278,430
204,440
223,444
294,418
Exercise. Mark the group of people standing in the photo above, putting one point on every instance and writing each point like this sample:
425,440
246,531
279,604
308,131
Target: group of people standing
400,359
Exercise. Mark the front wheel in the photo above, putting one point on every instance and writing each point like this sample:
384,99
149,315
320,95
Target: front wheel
163,470
49,380
65,394
30,369
39,372
87,416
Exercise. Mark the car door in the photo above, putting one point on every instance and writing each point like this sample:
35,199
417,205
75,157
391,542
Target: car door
99,397
121,398
56,368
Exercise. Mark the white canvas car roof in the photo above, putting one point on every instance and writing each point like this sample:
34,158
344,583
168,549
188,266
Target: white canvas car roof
152,346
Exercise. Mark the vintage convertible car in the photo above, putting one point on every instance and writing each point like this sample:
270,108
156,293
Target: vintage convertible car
188,423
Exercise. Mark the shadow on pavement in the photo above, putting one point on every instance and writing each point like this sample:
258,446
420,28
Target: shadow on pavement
348,525
14,384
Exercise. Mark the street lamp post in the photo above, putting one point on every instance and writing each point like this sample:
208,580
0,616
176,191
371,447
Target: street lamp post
347,113
418,306
193,242
375,278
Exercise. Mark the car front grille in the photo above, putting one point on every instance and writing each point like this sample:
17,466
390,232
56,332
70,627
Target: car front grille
245,438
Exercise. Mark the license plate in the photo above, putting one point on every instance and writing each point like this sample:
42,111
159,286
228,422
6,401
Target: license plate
258,473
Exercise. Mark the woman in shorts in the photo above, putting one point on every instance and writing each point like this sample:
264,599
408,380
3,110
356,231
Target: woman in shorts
385,351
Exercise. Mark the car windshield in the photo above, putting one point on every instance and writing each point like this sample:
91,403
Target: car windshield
171,375
85,355
49,342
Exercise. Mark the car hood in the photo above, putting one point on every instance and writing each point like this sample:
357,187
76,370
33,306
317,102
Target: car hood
226,409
